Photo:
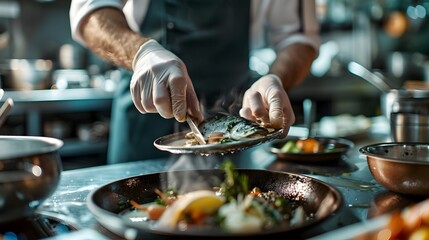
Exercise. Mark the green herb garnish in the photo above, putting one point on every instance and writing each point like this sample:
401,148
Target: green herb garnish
235,184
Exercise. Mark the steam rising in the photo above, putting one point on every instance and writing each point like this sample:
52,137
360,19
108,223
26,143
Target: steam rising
230,104
192,180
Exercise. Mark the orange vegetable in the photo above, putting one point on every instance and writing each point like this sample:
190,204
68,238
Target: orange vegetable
309,145
255,191
412,219
154,211
410,223
396,225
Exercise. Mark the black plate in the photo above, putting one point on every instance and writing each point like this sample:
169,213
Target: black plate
176,143
109,202
341,147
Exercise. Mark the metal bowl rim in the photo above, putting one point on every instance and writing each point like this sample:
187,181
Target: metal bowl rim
53,145
363,150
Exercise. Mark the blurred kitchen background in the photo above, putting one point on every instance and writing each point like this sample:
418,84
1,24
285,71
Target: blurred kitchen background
62,90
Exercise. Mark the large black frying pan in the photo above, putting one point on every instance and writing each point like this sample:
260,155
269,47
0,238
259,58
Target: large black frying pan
108,202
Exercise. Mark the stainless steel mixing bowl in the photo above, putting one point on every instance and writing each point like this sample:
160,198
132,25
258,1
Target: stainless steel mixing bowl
400,167
30,169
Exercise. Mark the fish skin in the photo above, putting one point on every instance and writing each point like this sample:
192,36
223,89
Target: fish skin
234,127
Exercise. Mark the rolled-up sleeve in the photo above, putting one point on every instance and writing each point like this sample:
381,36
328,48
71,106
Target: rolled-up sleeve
280,23
80,8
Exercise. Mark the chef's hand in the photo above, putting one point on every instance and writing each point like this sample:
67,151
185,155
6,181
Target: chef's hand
160,83
267,102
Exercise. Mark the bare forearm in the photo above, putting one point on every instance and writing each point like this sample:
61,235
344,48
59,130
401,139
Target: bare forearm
293,64
107,33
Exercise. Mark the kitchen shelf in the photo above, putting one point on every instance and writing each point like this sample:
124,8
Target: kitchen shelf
32,110
33,104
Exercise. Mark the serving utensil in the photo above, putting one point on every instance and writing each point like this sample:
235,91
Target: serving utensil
195,130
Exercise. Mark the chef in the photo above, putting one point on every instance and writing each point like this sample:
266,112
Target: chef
186,57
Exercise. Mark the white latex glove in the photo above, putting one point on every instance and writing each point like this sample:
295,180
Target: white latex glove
267,102
160,83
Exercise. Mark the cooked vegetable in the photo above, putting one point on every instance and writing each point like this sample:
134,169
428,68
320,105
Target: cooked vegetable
154,211
234,183
308,145
290,146
232,206
192,208
410,223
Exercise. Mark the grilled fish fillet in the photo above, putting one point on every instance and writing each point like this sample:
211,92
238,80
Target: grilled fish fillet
222,128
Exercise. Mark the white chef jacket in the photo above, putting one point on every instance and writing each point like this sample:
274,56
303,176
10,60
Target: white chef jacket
278,19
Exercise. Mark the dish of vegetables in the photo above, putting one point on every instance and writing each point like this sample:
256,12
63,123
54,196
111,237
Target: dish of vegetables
241,203
316,149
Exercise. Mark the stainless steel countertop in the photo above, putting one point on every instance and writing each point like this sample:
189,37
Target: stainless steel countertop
350,176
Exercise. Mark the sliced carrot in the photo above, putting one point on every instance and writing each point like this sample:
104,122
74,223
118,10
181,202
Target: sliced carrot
164,197
138,206
153,211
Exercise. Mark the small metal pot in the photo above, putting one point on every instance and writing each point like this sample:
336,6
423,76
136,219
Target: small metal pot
30,170
405,100
400,167
409,127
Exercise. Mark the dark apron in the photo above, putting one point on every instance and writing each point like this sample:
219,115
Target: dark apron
211,37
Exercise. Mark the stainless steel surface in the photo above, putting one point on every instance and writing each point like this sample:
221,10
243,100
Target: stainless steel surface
30,170
411,101
350,176
410,127
408,113
404,100
195,131
400,167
